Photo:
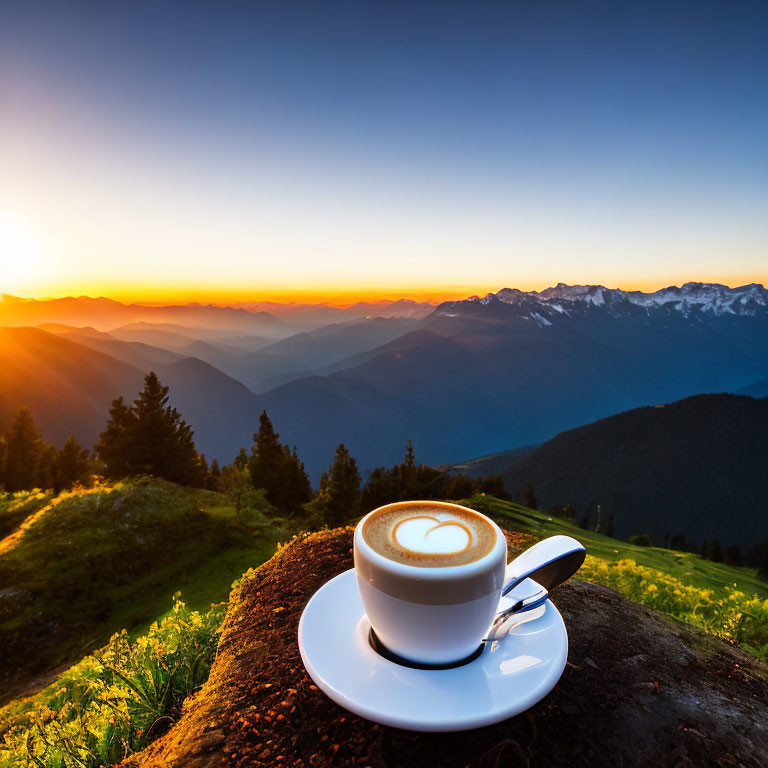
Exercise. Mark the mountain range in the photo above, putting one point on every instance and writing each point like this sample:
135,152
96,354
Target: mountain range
514,368
469,378
243,320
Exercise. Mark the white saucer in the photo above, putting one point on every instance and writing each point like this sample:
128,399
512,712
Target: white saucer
506,679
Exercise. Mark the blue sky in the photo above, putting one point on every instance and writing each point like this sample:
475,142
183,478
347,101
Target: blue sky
227,148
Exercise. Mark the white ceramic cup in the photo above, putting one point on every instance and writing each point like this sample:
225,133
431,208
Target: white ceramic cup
430,615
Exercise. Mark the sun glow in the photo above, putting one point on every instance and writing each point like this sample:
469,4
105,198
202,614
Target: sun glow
18,253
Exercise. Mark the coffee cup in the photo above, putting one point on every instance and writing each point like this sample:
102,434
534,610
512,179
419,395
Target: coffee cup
430,576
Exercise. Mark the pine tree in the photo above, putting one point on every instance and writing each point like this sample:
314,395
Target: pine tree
162,441
716,553
277,470
150,437
47,475
458,487
762,566
340,488
72,466
23,452
241,460
678,542
297,489
409,461
379,489
214,476
267,462
733,555
115,446
527,497
407,475
491,485
203,472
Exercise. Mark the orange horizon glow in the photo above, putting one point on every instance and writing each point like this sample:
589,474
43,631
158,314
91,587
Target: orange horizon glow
344,296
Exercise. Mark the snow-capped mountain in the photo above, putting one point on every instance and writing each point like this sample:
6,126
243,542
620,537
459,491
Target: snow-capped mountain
711,299
707,297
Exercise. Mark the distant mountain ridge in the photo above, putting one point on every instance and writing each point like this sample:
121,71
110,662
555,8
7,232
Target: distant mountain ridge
105,314
544,306
271,320
316,315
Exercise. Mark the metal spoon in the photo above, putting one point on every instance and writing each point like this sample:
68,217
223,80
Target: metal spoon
549,563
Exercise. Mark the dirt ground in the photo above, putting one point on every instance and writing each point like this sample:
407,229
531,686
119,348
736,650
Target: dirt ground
638,690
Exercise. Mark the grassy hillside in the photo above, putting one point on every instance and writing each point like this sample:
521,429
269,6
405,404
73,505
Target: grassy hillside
90,563
16,507
725,600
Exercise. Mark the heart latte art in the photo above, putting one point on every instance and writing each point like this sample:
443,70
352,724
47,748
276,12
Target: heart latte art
429,534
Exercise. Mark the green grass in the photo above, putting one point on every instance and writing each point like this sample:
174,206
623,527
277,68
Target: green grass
94,562
16,507
686,566
723,600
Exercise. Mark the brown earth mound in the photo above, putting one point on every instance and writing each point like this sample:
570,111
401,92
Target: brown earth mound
638,690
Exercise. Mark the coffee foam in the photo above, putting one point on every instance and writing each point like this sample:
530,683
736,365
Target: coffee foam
429,535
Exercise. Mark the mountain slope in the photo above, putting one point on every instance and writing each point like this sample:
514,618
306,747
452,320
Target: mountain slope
694,467
135,353
758,389
446,394
332,343
67,386
221,337
223,412
485,466
253,368
161,337
301,354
